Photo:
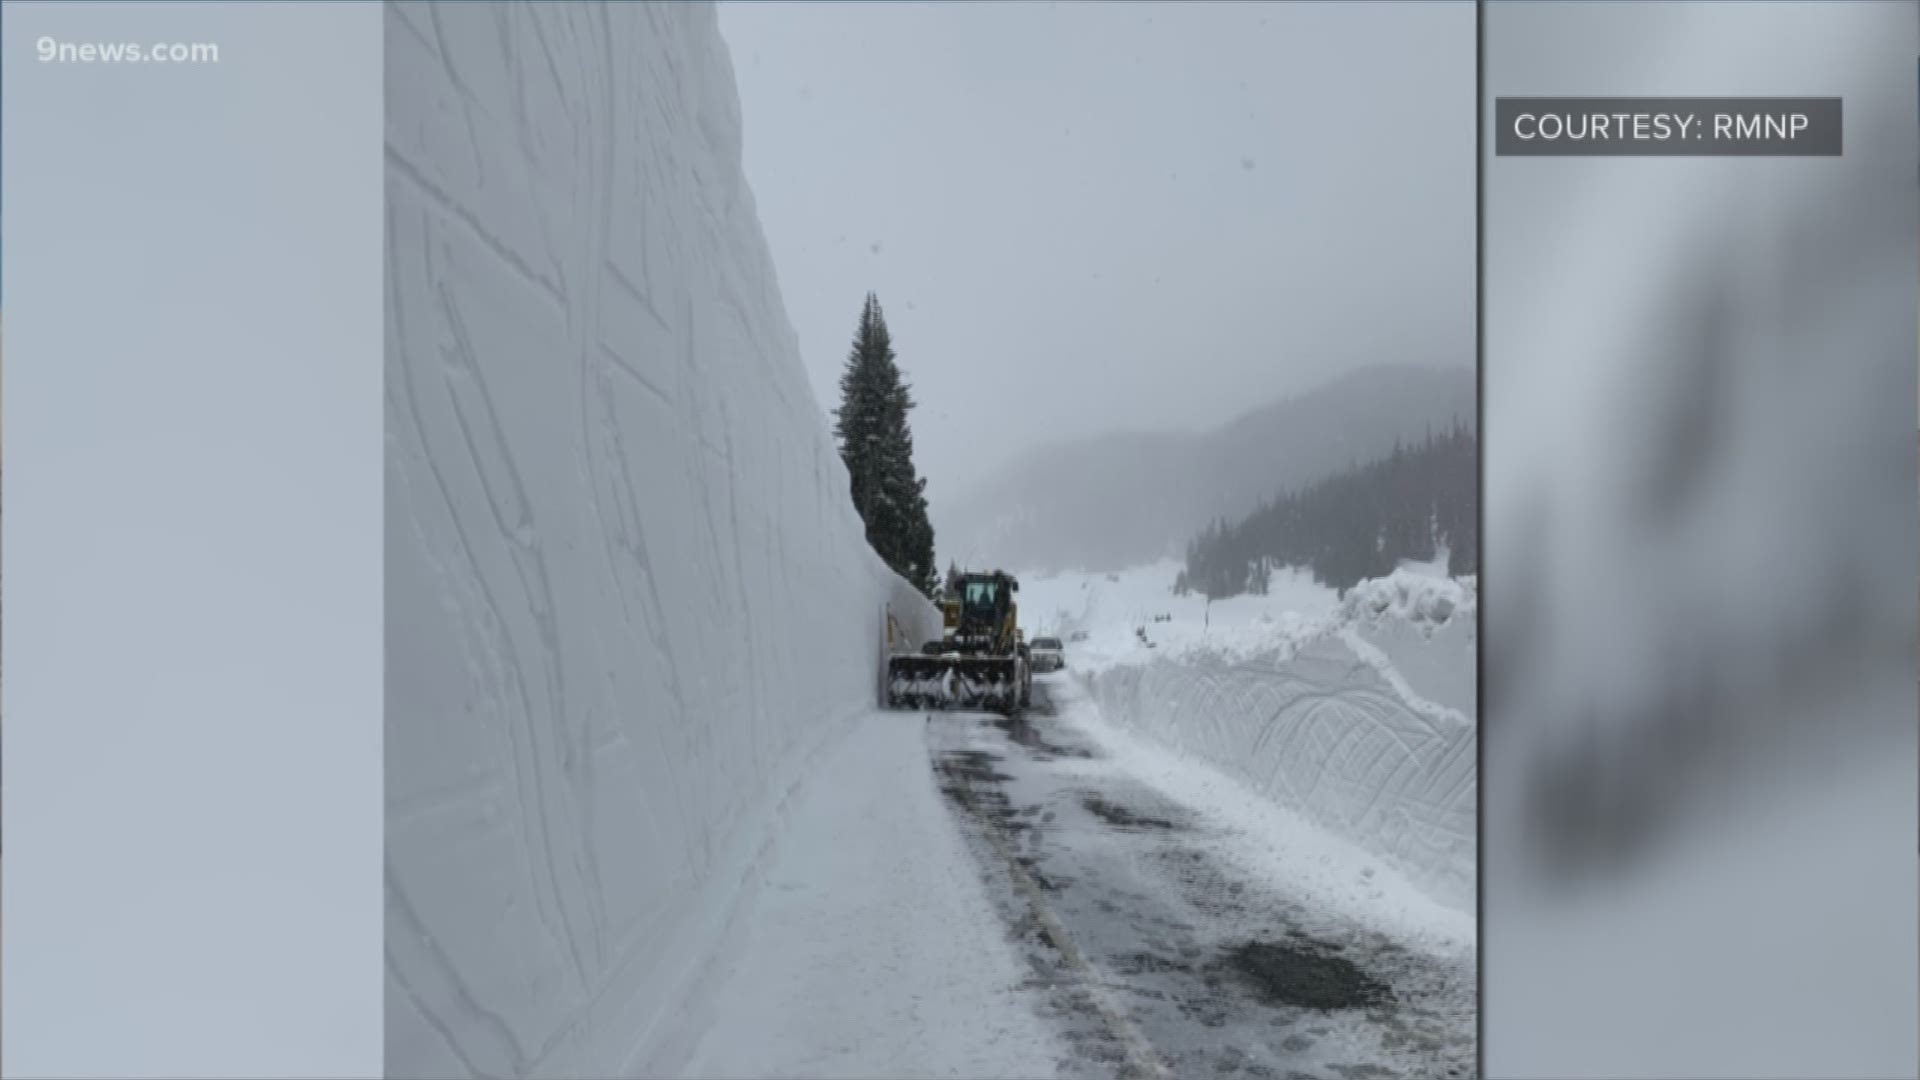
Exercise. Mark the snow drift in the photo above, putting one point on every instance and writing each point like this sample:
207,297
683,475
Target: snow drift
627,595
1356,712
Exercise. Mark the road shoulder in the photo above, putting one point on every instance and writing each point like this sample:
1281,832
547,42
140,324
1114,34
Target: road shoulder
872,949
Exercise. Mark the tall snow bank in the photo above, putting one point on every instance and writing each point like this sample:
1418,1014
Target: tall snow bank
1356,712
627,595
1417,625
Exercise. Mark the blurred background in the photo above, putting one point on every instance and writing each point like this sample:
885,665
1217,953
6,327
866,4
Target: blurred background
1699,847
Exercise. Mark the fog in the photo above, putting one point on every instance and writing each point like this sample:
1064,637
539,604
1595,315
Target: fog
1081,218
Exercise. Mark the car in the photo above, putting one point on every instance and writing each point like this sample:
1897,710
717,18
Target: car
1047,654
1078,635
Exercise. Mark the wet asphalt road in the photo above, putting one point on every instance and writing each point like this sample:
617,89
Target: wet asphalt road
1155,957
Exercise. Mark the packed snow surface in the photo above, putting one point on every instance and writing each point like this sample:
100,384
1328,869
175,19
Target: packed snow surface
627,594
1356,712
874,950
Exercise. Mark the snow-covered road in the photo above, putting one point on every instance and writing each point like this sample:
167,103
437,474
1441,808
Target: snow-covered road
1158,948
967,895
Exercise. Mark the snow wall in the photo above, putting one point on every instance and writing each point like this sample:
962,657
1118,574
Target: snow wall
1337,727
627,594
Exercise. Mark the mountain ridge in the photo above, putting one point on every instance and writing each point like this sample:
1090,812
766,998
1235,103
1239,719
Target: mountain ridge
1110,501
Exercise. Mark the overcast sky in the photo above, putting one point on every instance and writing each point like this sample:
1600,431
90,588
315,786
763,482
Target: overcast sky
1086,217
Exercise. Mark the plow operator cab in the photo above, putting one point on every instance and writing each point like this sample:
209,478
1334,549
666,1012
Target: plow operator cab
980,660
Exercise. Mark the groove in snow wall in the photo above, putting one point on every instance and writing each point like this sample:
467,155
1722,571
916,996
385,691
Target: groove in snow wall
627,594
1325,734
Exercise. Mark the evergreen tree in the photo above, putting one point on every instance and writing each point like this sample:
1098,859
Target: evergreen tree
1355,524
876,444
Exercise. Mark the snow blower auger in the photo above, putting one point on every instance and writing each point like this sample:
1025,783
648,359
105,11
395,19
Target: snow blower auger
980,661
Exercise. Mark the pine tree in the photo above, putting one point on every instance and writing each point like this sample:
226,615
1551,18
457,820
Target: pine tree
876,443
925,575
1355,524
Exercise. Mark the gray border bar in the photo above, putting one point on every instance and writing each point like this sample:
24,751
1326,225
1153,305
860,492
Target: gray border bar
192,543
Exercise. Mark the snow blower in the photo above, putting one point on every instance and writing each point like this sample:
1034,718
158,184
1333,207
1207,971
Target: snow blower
980,661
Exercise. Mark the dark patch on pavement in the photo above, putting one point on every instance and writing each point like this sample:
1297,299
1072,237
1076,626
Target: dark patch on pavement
971,766
1363,1072
1122,818
1030,865
1305,977
1141,963
962,774
1022,731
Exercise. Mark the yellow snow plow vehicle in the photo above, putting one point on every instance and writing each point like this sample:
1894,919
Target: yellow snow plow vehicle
980,661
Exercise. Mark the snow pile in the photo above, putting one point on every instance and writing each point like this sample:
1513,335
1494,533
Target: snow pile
627,597
1357,713
1110,609
1411,596
1421,632
1417,625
